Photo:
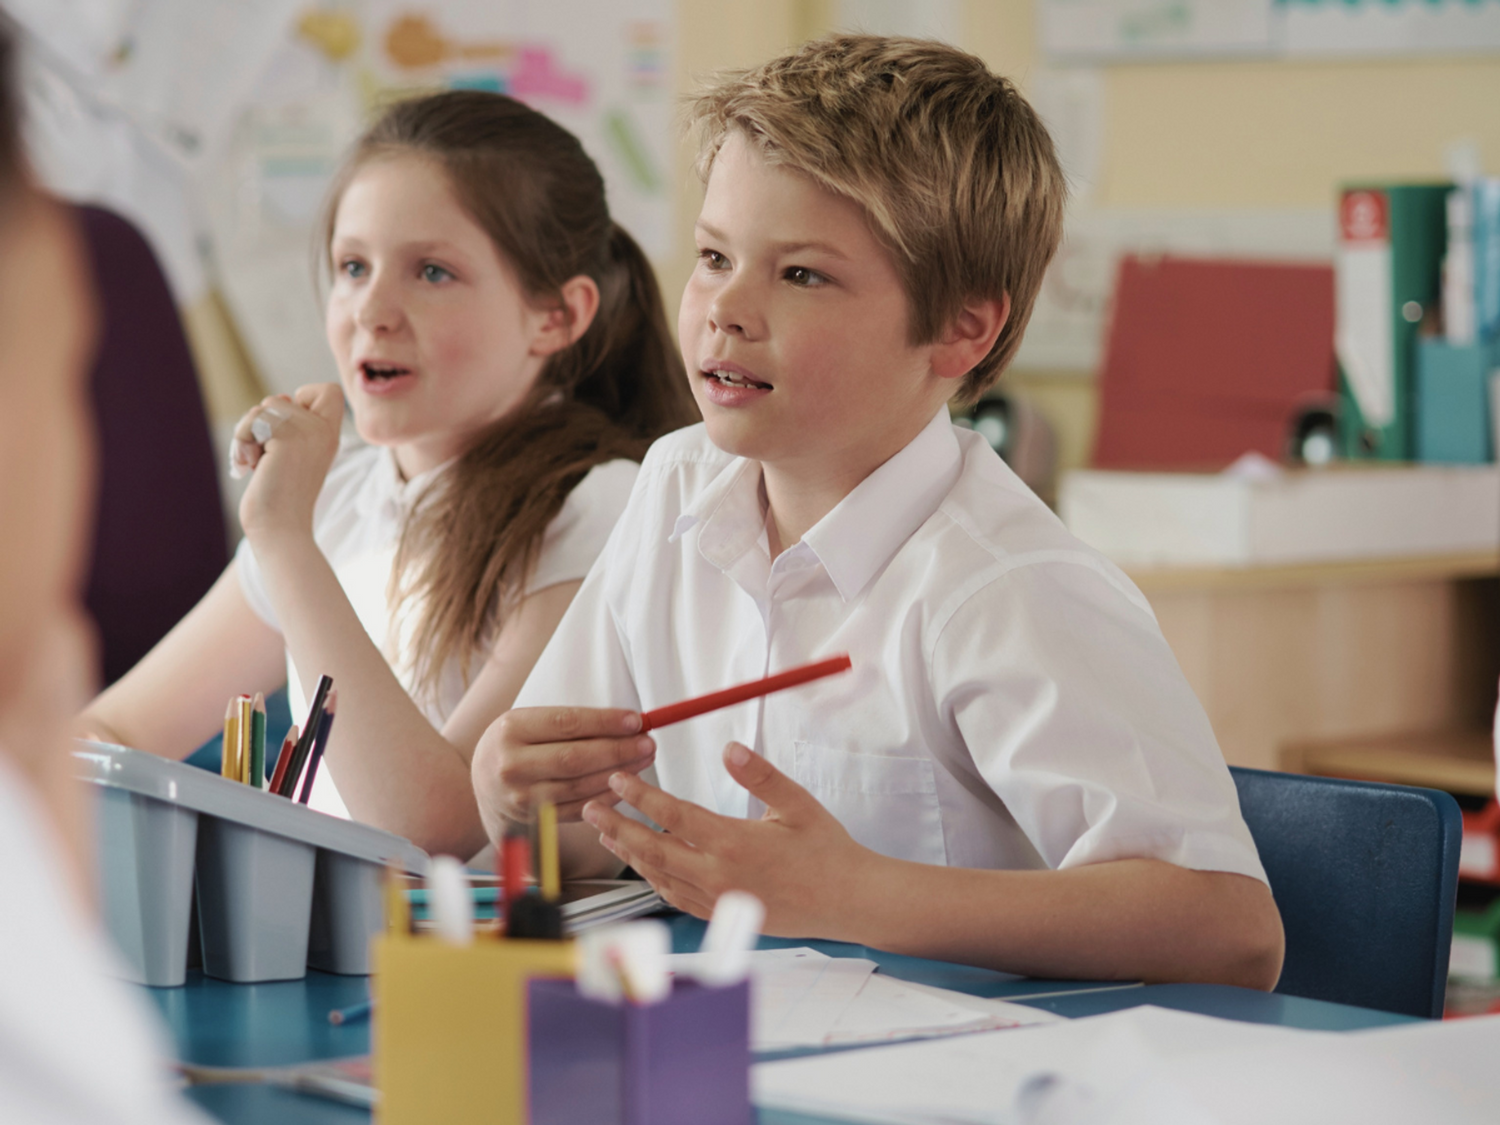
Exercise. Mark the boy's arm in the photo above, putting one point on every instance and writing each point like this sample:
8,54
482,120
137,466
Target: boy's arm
1128,919
539,751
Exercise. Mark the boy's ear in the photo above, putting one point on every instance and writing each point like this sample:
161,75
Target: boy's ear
969,337
567,320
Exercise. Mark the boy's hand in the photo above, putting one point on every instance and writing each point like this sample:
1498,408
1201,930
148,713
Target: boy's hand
290,465
798,859
565,755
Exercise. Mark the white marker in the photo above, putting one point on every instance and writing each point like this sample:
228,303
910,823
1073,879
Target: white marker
625,962
448,902
730,937
244,454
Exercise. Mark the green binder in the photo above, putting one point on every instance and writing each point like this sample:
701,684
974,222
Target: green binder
1388,278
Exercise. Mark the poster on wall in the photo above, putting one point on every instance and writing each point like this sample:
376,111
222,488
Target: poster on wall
1120,31
1388,27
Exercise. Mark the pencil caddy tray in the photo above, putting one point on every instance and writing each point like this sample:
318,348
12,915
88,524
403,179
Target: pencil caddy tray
280,887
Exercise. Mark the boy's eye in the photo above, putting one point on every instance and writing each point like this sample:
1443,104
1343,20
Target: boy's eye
435,274
713,259
801,275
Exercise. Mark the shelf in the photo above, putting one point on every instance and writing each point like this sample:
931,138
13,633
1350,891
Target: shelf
1421,568
1457,761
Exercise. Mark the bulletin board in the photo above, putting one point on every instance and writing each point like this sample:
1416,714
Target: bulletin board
1119,31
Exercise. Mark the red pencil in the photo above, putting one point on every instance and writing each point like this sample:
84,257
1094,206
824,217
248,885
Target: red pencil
283,760
688,708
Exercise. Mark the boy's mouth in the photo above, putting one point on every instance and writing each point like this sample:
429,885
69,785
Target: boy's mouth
731,376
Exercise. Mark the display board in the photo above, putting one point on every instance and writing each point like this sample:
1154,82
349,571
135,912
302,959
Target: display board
1142,30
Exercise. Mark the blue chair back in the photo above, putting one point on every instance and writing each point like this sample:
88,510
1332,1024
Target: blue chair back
1366,876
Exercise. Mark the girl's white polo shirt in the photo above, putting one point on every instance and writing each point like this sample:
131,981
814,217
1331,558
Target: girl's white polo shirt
1012,703
357,524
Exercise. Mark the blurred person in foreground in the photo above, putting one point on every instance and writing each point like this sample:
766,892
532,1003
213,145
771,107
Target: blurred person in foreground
76,1044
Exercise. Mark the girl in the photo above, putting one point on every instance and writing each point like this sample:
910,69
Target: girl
503,348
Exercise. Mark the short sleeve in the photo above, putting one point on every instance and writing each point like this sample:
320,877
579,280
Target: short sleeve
579,531
253,584
1077,715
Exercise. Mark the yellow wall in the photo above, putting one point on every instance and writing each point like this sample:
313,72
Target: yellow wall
1203,134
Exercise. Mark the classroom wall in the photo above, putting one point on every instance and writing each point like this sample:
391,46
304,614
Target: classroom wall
1245,134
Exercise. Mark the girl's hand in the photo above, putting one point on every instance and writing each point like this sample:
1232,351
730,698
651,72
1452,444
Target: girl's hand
290,443
798,860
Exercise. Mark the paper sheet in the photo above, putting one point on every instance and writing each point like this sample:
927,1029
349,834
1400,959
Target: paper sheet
1158,1066
803,998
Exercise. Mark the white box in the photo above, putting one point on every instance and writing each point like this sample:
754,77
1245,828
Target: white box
1337,514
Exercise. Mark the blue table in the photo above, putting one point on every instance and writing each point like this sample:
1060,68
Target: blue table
259,1025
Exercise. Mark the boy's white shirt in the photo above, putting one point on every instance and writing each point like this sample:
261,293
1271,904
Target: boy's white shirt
357,524
1013,703
77,1044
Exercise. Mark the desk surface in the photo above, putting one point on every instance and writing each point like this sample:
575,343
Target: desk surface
261,1025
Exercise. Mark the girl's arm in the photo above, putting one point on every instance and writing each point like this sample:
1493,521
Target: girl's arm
173,700
393,769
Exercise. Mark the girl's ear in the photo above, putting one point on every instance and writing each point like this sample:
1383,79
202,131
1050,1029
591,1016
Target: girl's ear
569,319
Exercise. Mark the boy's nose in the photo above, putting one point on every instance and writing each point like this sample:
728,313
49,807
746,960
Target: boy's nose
731,313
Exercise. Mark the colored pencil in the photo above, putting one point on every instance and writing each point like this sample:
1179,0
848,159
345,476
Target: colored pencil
309,734
283,760
354,1013
320,743
258,741
690,708
549,877
247,720
231,739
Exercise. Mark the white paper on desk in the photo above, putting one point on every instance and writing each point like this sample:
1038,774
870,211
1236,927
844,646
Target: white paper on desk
797,995
803,998
1150,1066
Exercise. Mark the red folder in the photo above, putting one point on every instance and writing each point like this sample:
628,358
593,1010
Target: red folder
1208,359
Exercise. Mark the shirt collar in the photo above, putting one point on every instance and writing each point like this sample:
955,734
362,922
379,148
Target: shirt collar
385,491
864,530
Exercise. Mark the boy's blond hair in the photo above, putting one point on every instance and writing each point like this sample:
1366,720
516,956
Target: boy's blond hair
953,167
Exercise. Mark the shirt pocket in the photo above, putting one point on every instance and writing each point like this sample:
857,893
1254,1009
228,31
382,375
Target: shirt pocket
889,804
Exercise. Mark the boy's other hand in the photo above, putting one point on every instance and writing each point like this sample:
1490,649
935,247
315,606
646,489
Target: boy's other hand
798,859
565,755
292,462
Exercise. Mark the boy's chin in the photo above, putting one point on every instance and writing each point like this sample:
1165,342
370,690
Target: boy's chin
735,438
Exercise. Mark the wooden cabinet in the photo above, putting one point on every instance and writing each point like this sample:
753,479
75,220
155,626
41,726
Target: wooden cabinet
1392,664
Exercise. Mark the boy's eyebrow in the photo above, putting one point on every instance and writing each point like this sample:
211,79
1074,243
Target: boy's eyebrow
781,247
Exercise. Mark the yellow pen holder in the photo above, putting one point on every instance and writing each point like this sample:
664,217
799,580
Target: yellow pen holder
450,1027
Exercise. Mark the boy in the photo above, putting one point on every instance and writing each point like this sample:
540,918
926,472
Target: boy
1015,774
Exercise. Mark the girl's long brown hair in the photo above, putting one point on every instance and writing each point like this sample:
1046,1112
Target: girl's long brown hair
472,540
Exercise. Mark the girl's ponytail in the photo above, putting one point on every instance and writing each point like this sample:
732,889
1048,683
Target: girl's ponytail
632,370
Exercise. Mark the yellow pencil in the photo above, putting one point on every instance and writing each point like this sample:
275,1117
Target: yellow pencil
247,713
228,765
551,880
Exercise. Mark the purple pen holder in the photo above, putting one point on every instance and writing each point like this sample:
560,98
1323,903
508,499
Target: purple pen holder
684,1061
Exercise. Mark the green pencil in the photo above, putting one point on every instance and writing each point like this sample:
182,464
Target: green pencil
258,743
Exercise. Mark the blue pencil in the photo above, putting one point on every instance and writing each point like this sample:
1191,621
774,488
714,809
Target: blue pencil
352,1014
315,757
